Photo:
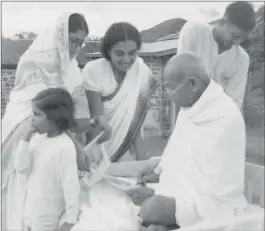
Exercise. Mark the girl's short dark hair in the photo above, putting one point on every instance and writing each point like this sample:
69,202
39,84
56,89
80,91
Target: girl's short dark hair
77,22
242,15
58,105
119,32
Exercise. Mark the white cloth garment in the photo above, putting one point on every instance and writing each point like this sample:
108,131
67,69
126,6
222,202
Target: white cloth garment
120,111
44,65
53,184
202,166
229,69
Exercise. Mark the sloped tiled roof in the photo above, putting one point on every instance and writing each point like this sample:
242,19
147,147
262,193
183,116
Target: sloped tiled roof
158,49
169,37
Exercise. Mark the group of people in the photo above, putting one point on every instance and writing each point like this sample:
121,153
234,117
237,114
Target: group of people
198,178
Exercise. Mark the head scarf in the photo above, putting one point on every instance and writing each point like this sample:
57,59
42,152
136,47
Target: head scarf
47,59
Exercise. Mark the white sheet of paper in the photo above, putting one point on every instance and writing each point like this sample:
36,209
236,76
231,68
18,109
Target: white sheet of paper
97,169
121,182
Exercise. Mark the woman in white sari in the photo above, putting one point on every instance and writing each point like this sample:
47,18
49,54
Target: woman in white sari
118,88
49,62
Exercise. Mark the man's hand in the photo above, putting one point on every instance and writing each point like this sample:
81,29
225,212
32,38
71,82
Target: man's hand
104,124
148,175
139,195
29,133
66,227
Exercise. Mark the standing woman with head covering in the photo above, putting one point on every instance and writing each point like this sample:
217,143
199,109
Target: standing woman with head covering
48,63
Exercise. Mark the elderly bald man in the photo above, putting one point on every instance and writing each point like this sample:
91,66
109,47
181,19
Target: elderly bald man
201,172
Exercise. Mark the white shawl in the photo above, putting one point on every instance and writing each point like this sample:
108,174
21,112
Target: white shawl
203,163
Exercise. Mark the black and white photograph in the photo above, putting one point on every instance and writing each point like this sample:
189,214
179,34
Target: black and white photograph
132,115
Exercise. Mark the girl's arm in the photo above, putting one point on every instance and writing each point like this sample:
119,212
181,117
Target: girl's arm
23,156
68,173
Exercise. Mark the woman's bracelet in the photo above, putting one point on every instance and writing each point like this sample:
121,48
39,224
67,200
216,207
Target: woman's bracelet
94,121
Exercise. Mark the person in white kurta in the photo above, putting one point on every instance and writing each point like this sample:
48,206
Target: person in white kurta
219,47
53,184
201,173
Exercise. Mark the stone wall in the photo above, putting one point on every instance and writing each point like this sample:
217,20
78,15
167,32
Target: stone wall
8,81
159,106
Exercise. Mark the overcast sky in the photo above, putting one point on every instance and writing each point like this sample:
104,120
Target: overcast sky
36,16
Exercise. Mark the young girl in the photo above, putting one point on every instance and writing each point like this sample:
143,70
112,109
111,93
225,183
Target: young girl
47,157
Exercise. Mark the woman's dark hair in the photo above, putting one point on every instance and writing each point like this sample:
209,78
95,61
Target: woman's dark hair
58,105
119,32
77,22
242,15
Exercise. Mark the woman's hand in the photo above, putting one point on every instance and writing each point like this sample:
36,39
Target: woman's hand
29,132
107,130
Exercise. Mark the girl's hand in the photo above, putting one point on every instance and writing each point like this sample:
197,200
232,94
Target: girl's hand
107,130
29,132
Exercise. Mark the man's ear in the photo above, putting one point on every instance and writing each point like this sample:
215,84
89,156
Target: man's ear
195,83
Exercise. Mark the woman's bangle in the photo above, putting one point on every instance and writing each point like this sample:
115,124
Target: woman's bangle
94,121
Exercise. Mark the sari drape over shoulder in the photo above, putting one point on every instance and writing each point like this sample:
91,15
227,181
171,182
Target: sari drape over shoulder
126,105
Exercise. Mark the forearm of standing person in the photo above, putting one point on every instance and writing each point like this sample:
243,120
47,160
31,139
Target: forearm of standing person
70,184
84,124
138,147
95,103
23,158
96,108
236,85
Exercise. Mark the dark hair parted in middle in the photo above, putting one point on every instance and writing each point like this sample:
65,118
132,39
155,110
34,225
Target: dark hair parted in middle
77,22
58,105
119,32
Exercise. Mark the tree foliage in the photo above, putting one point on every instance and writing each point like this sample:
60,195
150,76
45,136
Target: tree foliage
254,98
25,35
93,38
